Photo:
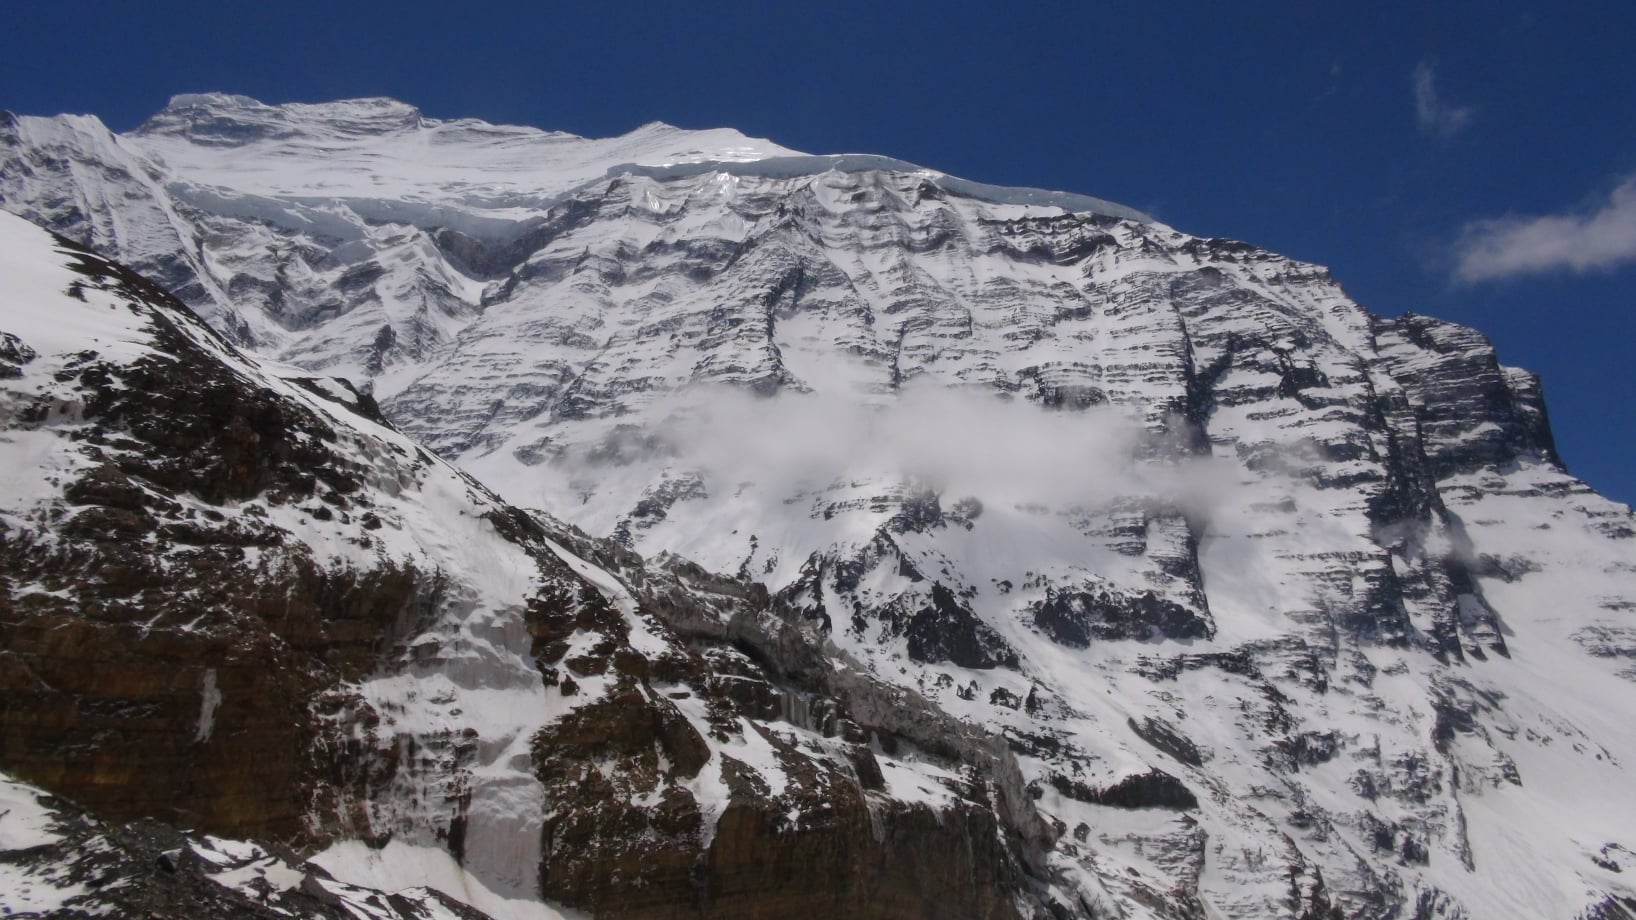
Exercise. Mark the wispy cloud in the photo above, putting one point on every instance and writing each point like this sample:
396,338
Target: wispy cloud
1437,116
1600,239
959,442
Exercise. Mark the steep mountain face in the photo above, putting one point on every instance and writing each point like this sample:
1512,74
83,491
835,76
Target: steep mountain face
233,599
1221,595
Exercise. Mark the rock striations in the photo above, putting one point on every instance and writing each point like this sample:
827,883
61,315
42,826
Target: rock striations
894,545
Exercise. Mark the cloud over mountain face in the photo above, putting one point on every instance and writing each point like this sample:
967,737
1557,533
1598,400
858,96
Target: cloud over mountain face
862,541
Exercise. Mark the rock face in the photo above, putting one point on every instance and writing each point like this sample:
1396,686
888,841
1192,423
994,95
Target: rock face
1108,570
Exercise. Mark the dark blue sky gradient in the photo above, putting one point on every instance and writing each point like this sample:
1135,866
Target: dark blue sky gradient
1287,124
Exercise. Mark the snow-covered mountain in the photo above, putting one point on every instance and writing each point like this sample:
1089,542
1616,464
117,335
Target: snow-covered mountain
1281,608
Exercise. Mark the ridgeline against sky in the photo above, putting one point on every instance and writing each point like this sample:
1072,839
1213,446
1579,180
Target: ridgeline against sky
1423,152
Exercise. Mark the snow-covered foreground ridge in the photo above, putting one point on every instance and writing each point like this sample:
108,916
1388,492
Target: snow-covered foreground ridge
1280,608
215,532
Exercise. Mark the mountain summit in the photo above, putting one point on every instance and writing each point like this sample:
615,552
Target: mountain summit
1057,558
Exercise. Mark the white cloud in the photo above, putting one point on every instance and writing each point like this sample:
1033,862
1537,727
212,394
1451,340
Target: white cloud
1504,247
1437,116
957,441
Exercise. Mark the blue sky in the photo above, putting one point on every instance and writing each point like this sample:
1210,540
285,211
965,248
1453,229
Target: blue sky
1463,160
